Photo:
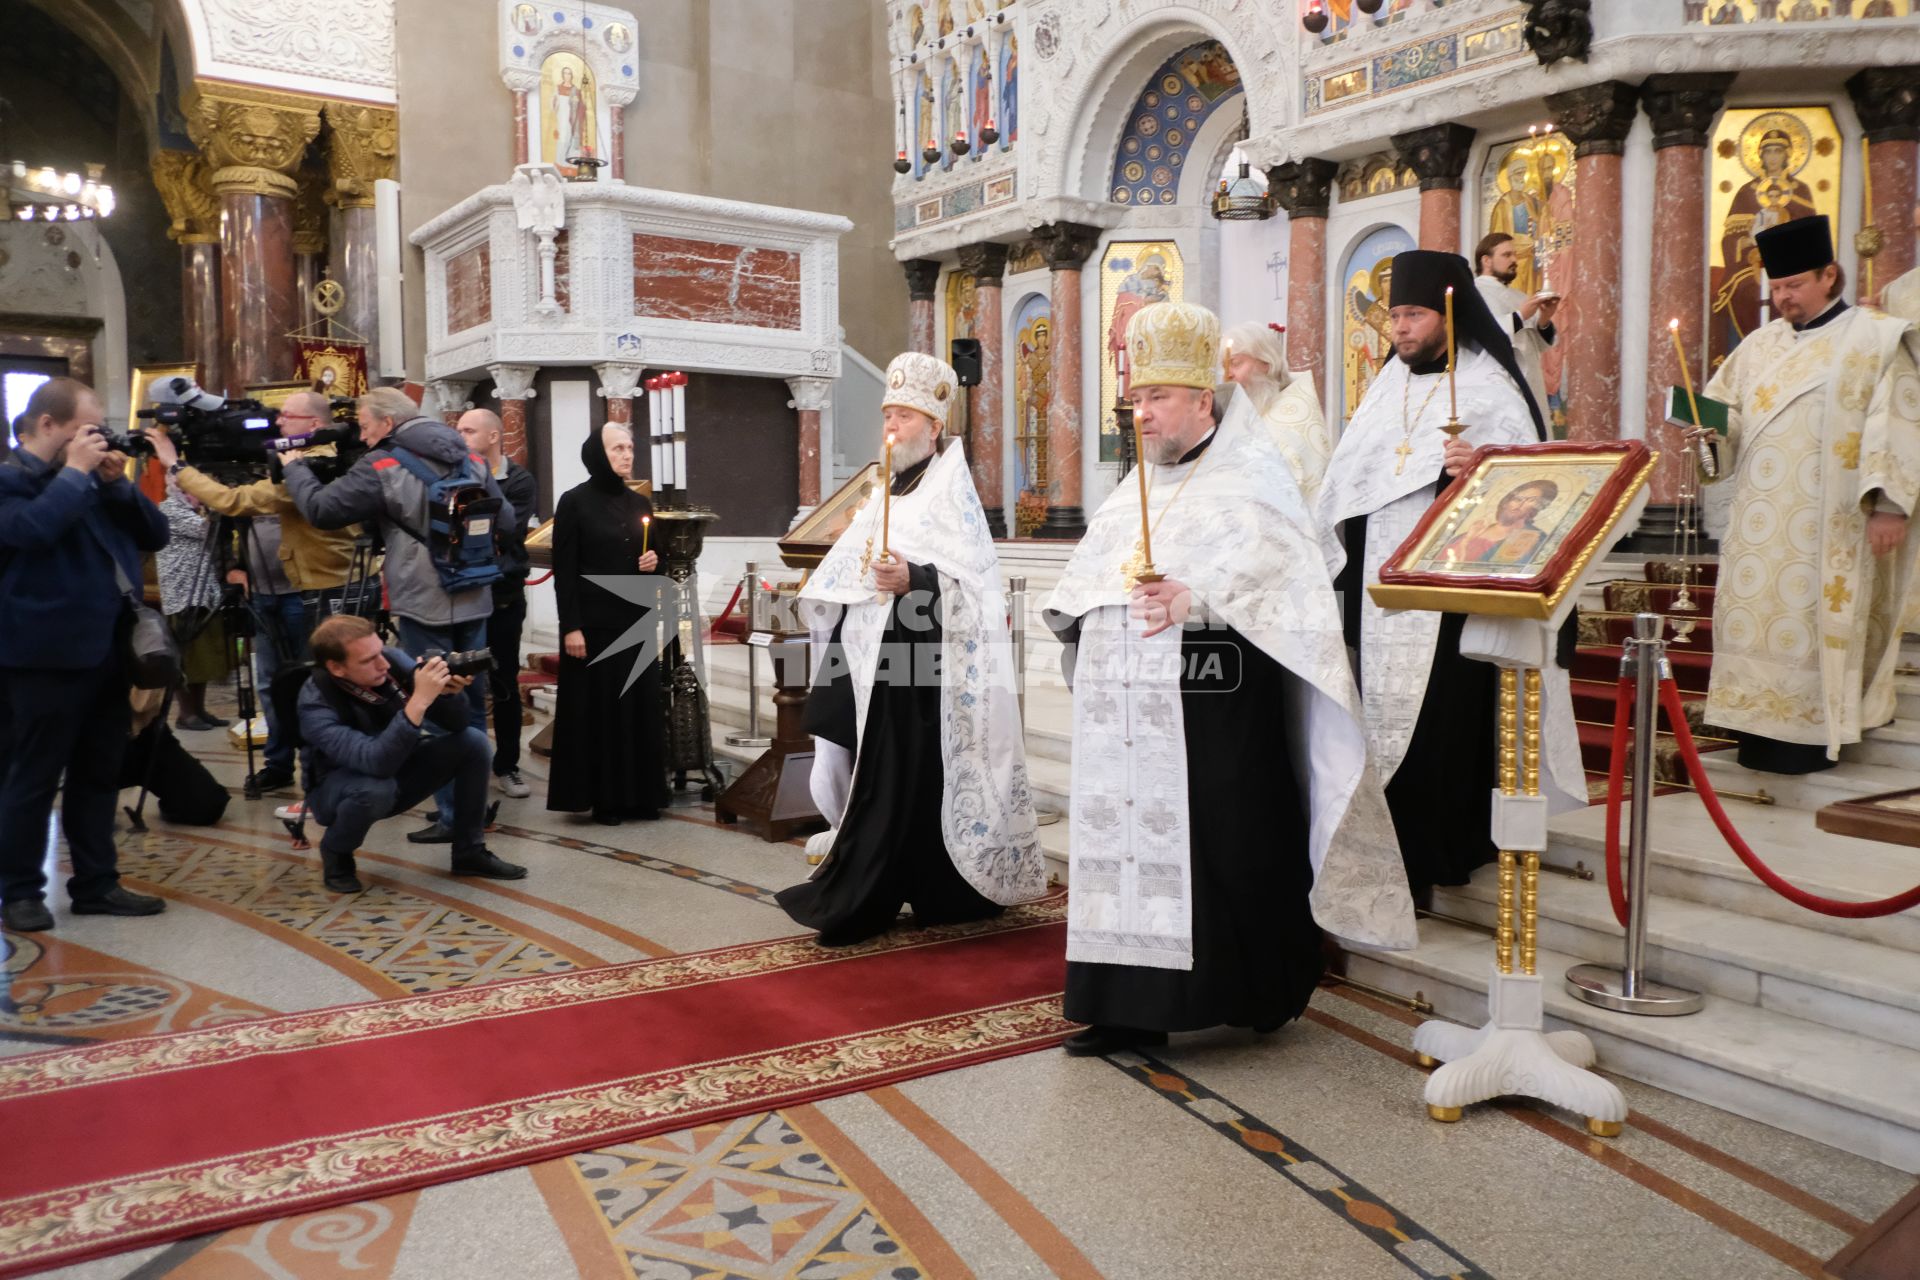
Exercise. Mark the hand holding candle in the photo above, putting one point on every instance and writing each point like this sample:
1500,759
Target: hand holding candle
646,532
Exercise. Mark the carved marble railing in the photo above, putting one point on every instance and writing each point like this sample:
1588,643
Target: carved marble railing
545,273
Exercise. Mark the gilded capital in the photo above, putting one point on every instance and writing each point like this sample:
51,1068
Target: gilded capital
310,211
365,142
185,183
253,138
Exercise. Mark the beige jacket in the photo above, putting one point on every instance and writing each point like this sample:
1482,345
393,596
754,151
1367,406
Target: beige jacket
314,559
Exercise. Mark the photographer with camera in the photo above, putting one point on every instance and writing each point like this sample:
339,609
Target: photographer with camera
362,712
293,571
72,531
439,512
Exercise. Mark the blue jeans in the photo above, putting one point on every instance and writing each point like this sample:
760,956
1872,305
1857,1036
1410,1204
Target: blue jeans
416,638
282,622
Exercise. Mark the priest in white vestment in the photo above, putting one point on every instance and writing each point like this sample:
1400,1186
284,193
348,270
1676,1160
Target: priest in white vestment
920,762
1280,401
1430,711
1223,809
1817,565
1529,319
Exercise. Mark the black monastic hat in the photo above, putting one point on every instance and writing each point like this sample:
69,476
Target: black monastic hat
1794,248
1421,278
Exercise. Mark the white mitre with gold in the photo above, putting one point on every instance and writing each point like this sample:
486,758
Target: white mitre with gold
922,383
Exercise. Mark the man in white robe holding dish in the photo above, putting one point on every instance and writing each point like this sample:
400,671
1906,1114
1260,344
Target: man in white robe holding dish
920,763
1430,710
1223,809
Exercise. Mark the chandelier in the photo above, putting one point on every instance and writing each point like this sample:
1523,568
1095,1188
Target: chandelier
1244,199
47,195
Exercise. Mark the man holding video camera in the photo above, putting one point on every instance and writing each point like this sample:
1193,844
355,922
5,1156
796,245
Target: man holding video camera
391,488
72,531
291,570
362,712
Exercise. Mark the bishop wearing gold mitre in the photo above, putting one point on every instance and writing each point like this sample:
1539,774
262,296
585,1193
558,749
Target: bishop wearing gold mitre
1223,810
1816,568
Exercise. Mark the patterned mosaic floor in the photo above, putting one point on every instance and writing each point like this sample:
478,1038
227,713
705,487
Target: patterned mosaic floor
1303,1154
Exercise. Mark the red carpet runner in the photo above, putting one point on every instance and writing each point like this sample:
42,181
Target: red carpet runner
112,1146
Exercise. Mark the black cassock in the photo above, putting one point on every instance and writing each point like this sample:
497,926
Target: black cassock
1256,948
891,849
608,740
1441,796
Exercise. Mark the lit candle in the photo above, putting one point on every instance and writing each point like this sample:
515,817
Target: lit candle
1866,214
1453,404
886,494
1686,375
1140,470
646,531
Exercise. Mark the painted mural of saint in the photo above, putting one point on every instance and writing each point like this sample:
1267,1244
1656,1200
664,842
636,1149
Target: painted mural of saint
1145,284
1509,536
1369,339
567,112
1010,94
929,124
1774,195
982,96
1518,212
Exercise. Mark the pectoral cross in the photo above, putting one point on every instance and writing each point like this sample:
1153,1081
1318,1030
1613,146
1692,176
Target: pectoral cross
1136,564
866,558
1405,451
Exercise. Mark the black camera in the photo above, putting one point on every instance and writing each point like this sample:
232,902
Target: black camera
468,662
124,442
227,439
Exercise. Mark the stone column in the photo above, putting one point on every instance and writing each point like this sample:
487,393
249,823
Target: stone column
185,184
1304,189
520,126
1889,109
363,144
1066,246
811,396
618,382
1438,154
513,387
255,139
987,264
448,398
309,239
1682,108
1597,119
923,275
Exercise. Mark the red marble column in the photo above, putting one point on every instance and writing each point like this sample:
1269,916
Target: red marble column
259,303
619,409
1889,114
1597,119
810,397
1067,246
1682,108
1439,155
1304,189
987,263
520,127
923,275
617,144
200,311
1440,219
513,429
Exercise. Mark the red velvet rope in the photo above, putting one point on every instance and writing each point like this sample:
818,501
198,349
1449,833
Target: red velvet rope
1616,788
534,582
1690,756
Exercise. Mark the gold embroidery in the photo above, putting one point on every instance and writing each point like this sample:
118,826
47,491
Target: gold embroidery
1837,594
1763,398
1848,451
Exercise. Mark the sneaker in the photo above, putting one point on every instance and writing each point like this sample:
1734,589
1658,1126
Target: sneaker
295,812
270,778
513,785
26,915
119,902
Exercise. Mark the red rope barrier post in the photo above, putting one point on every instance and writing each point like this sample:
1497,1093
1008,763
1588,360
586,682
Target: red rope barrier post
1627,989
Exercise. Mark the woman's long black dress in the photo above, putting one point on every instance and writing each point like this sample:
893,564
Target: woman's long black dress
608,740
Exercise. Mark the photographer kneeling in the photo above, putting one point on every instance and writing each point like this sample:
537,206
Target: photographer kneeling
362,713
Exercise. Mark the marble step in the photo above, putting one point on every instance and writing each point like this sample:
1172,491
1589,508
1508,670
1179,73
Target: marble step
1809,792
1833,1086
1866,988
1896,745
1690,862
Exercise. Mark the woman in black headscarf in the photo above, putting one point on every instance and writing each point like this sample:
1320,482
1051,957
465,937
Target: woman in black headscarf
608,753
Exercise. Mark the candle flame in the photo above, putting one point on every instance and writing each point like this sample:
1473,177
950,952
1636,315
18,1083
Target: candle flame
1673,325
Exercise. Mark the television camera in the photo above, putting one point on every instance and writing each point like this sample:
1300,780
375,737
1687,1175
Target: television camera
238,441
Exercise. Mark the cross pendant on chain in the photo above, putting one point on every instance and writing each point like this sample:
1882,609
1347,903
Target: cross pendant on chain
1405,451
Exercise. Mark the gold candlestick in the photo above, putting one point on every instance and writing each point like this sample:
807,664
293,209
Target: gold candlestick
1453,425
1144,572
886,497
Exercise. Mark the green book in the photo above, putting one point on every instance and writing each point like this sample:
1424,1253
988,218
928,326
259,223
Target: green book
1713,413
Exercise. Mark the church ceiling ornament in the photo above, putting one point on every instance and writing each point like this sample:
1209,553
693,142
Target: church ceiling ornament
254,139
343,47
1180,97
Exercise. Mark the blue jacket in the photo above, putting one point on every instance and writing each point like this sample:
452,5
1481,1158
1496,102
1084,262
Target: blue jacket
365,732
59,599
